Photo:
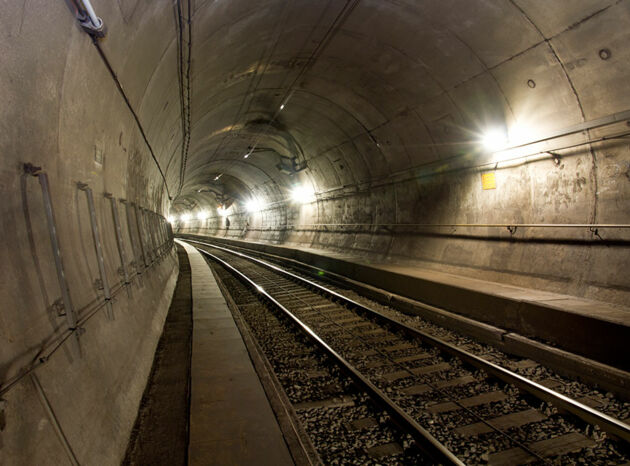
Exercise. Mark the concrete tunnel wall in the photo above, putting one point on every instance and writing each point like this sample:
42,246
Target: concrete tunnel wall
384,103
62,112
388,119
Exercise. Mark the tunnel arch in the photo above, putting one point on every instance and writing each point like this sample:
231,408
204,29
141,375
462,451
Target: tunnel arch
386,104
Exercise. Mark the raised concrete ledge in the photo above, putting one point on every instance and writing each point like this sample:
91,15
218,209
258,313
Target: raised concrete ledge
231,420
593,329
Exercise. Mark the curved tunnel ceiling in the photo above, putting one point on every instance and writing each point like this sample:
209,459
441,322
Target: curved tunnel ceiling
368,88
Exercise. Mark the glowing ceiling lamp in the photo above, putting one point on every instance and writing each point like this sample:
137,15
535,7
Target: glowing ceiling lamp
254,205
302,194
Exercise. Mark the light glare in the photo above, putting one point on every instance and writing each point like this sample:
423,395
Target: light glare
202,215
254,205
171,219
185,217
494,140
302,194
223,212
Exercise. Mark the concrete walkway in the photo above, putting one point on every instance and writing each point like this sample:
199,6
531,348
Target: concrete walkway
231,421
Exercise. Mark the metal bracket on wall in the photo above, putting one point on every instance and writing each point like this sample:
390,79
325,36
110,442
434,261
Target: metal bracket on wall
98,248
157,222
134,243
143,247
595,232
146,221
119,238
70,314
157,225
155,228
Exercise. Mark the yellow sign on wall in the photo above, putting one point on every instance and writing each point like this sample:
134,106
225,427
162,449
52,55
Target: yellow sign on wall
488,180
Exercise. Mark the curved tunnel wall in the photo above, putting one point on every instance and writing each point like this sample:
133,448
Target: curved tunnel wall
377,105
62,112
388,116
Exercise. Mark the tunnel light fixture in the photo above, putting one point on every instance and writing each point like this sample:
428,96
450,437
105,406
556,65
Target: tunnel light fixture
494,139
254,205
302,194
218,176
185,217
202,215
282,107
222,211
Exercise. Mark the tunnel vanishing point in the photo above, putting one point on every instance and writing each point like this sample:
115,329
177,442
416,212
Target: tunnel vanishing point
454,140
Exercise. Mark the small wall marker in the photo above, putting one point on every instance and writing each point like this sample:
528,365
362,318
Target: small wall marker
488,180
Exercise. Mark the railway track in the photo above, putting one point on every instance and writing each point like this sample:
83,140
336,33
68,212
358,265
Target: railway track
457,407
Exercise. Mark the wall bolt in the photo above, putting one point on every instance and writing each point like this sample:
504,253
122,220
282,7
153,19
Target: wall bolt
604,54
57,307
555,157
531,83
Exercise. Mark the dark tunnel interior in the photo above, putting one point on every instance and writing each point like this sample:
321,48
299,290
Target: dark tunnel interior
456,138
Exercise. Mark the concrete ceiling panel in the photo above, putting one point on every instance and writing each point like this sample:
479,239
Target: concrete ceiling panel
485,27
595,55
538,91
551,18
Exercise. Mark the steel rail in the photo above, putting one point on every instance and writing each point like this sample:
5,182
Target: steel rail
612,426
309,226
472,225
426,441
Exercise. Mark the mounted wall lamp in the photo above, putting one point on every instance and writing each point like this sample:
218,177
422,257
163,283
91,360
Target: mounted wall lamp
494,139
254,205
302,194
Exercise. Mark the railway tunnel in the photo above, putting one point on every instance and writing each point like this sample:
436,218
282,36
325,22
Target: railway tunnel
465,162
